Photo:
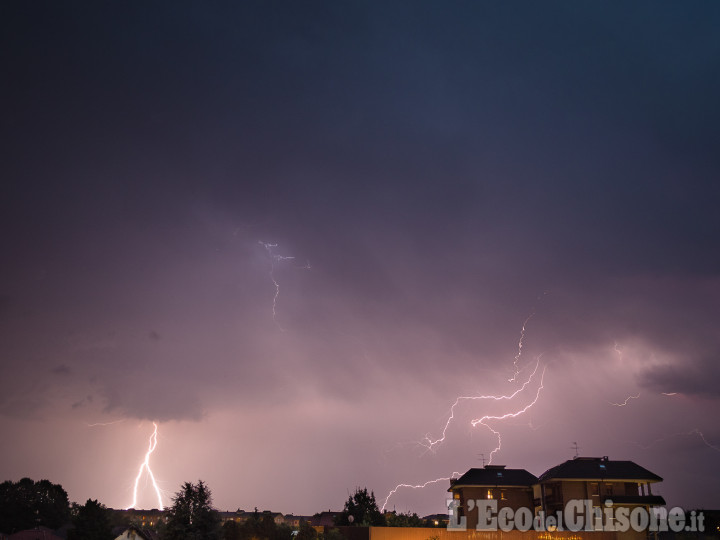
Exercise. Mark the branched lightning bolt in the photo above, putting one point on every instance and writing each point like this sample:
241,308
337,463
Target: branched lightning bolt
145,465
626,400
274,260
418,486
484,419
430,444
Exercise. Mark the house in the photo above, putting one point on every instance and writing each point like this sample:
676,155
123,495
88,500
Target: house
144,518
625,483
237,517
296,521
511,488
241,516
324,519
277,517
620,484
136,533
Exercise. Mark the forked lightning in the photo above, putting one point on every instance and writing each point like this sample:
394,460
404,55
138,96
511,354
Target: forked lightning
145,465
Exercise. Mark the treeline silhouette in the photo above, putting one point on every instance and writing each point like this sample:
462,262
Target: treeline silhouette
27,504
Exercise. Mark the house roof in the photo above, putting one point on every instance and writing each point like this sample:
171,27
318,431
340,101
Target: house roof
324,518
589,468
494,475
142,534
292,517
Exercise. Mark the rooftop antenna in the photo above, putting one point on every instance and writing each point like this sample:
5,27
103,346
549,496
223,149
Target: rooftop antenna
576,448
482,457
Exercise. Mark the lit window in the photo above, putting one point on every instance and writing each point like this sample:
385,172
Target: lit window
490,494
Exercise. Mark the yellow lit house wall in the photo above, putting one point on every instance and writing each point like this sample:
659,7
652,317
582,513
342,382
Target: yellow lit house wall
506,496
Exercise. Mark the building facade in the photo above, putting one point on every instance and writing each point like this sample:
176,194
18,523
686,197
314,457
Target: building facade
512,488
602,482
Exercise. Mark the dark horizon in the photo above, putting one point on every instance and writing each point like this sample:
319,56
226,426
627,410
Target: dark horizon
293,234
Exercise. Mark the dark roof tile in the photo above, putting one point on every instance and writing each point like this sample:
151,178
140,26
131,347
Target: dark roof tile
599,469
493,475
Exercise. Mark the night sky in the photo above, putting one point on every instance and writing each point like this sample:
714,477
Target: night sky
442,173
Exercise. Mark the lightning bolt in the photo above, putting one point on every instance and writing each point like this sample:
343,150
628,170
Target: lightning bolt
704,439
617,348
695,431
430,444
145,465
484,419
479,421
626,400
274,260
520,346
418,486
96,424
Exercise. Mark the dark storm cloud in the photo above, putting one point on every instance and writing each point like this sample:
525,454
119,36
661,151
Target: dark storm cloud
692,377
442,147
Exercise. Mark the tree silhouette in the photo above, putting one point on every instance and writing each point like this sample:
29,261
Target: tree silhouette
27,504
231,531
262,526
91,522
306,532
363,510
404,520
192,516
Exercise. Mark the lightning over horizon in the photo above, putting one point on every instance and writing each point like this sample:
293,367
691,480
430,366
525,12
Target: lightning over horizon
479,421
292,250
418,486
430,443
145,465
